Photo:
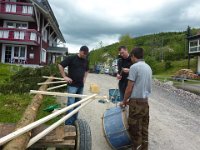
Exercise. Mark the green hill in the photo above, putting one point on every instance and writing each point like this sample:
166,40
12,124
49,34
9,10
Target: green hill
162,50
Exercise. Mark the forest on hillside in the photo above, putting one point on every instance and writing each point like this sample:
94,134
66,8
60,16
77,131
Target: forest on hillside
160,47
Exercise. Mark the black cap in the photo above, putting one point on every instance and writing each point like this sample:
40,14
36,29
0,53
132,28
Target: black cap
84,48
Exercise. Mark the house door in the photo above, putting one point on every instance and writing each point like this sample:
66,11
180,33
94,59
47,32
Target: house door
8,54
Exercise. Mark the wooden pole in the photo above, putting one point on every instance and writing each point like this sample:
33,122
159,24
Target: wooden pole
64,94
29,116
47,77
56,87
43,83
35,124
59,122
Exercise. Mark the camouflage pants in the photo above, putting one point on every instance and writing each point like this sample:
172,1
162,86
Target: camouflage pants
138,122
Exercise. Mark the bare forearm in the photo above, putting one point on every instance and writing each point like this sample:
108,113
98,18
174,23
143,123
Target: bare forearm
85,76
127,94
128,91
62,72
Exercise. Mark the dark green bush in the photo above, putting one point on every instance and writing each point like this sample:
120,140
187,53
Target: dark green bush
26,79
168,65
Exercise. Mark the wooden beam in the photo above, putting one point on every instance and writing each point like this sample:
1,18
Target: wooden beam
51,34
59,122
47,77
65,94
57,94
37,17
35,124
56,87
51,82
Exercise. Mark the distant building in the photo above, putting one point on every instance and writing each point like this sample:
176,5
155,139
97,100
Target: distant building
29,32
194,49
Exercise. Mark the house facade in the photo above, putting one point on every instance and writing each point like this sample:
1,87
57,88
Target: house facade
29,32
194,49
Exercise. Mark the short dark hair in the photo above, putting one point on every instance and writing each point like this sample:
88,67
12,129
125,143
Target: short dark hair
138,52
122,47
84,48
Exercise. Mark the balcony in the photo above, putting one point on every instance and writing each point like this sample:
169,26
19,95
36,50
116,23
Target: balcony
9,10
20,36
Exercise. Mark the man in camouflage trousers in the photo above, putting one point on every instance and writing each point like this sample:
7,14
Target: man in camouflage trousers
136,96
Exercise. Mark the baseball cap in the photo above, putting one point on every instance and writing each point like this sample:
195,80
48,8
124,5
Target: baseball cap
85,49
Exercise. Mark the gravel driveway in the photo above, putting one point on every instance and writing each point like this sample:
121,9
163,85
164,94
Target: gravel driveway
174,117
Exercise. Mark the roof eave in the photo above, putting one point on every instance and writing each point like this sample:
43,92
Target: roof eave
54,26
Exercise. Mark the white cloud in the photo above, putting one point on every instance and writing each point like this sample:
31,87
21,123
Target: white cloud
87,22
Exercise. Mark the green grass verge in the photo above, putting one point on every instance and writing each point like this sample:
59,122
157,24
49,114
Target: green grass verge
7,70
175,66
13,106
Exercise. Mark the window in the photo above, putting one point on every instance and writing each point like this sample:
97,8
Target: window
10,25
27,10
4,34
22,52
50,41
19,35
44,36
194,46
33,36
194,43
19,25
43,55
19,52
1,34
16,52
11,8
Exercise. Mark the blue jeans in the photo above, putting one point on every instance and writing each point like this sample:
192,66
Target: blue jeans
72,100
122,88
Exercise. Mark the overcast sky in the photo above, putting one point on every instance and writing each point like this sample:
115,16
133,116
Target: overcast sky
87,22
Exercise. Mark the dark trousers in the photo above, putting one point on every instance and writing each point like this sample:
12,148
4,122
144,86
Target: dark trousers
122,88
138,122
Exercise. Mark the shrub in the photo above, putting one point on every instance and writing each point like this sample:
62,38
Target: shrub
27,78
168,65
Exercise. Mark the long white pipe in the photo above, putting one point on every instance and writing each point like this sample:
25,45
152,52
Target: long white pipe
44,83
64,94
56,87
47,77
27,128
57,94
56,124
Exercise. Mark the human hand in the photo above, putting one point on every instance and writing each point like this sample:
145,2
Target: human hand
125,70
69,80
119,77
123,104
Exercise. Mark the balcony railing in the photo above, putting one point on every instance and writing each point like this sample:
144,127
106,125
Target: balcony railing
18,8
21,35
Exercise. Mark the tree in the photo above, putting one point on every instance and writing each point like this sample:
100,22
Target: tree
188,32
124,38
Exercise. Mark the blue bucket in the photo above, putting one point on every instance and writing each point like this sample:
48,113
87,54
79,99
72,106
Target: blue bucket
114,95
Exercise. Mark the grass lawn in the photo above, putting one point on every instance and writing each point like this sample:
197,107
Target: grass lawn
176,65
13,106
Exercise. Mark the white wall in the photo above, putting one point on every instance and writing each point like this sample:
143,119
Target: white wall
198,65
